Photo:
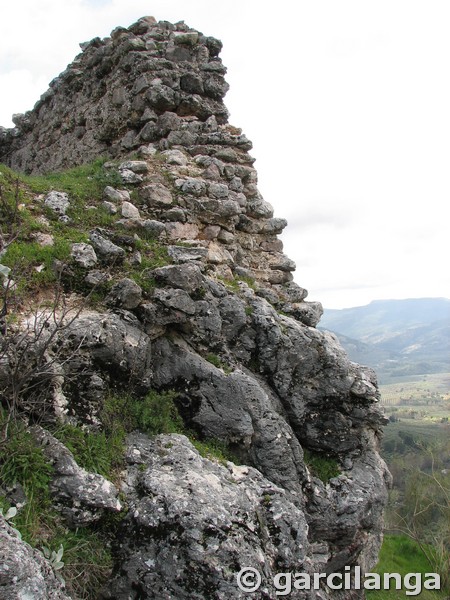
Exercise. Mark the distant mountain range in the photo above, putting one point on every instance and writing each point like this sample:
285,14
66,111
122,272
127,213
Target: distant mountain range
395,337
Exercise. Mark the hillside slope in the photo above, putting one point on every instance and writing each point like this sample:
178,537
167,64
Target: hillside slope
395,337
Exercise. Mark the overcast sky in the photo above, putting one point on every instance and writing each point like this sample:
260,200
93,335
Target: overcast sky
348,107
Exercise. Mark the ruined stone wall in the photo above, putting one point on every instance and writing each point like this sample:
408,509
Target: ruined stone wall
152,88
278,385
151,82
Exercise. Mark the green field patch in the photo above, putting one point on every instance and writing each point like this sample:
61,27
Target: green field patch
400,554
411,437
84,182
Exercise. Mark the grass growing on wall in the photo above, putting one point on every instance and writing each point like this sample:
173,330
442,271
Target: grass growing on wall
81,183
23,214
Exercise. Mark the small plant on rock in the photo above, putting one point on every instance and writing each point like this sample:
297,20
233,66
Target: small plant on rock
321,466
54,558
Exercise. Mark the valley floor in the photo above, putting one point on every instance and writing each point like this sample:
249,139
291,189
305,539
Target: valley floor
416,447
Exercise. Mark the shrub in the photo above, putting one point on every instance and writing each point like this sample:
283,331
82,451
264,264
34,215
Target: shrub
154,413
157,413
103,451
214,360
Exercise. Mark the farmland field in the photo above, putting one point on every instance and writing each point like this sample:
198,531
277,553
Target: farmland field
418,409
416,445
425,389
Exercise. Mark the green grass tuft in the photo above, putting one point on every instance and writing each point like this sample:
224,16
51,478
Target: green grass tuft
154,413
98,451
213,449
218,363
87,561
34,264
323,467
22,462
85,182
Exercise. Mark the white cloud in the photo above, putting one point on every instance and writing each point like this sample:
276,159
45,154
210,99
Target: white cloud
24,85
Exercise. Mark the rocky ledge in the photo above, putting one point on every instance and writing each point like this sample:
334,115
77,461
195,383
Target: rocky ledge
221,327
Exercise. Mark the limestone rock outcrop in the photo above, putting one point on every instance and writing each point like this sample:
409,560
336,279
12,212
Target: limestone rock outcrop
24,572
214,517
81,497
220,324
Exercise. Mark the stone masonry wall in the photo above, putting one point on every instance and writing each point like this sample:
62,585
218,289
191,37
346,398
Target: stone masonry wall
151,82
157,88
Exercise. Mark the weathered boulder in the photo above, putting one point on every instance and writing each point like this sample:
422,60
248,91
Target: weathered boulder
113,344
129,211
126,293
193,523
232,407
186,277
130,177
43,239
81,497
107,250
175,157
110,207
155,194
113,195
97,278
84,255
58,202
317,399
175,299
182,254
24,572
137,166
315,380
308,313
182,231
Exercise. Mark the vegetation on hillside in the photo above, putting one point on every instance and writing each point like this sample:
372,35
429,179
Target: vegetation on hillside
24,217
416,446
400,554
